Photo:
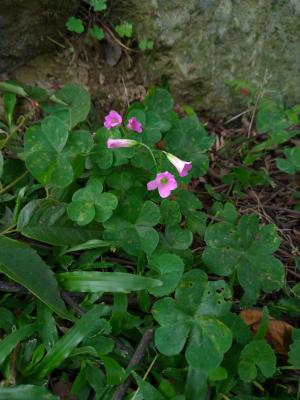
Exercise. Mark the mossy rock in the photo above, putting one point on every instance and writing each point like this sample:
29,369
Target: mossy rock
27,27
202,44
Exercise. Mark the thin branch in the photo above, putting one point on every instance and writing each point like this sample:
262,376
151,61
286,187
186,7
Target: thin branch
135,360
8,287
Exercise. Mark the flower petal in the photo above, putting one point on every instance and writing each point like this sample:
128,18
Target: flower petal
152,185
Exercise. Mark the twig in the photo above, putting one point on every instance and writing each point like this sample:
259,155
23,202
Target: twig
68,299
136,359
236,116
12,288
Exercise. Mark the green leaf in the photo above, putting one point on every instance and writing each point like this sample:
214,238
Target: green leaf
294,353
169,269
170,212
115,374
196,384
91,244
177,238
159,101
256,355
285,166
190,142
97,32
88,324
146,44
191,319
90,203
75,25
47,221
55,131
47,326
46,164
12,340
12,88
98,5
26,392
148,391
247,250
124,29
291,164
77,100
10,101
23,265
95,282
138,236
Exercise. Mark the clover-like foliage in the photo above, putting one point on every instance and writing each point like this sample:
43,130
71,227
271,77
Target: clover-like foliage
245,249
89,203
135,236
191,320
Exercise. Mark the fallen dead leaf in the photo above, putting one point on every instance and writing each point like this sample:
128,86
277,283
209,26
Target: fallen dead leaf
278,334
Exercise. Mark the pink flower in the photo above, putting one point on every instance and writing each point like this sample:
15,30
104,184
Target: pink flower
183,167
117,143
165,182
135,125
112,119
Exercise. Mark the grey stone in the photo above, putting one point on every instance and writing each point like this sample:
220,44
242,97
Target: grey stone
200,45
26,27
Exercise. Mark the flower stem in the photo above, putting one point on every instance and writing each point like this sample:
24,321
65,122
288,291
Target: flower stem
152,155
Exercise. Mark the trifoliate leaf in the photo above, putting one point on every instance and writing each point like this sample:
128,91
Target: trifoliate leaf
75,25
90,203
191,319
138,236
247,250
124,29
98,5
258,354
97,32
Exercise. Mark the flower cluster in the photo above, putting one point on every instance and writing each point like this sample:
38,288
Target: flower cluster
164,182
113,119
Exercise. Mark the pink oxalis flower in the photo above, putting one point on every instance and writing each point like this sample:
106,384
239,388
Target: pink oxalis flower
134,125
183,167
117,143
165,182
112,119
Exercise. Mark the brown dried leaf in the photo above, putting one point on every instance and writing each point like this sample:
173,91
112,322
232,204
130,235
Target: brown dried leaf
278,333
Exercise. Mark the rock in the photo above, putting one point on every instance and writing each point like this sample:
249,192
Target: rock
202,44
27,27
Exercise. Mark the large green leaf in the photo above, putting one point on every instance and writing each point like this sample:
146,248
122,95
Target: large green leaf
191,319
246,249
90,323
77,100
44,155
23,265
47,221
94,281
55,131
26,392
